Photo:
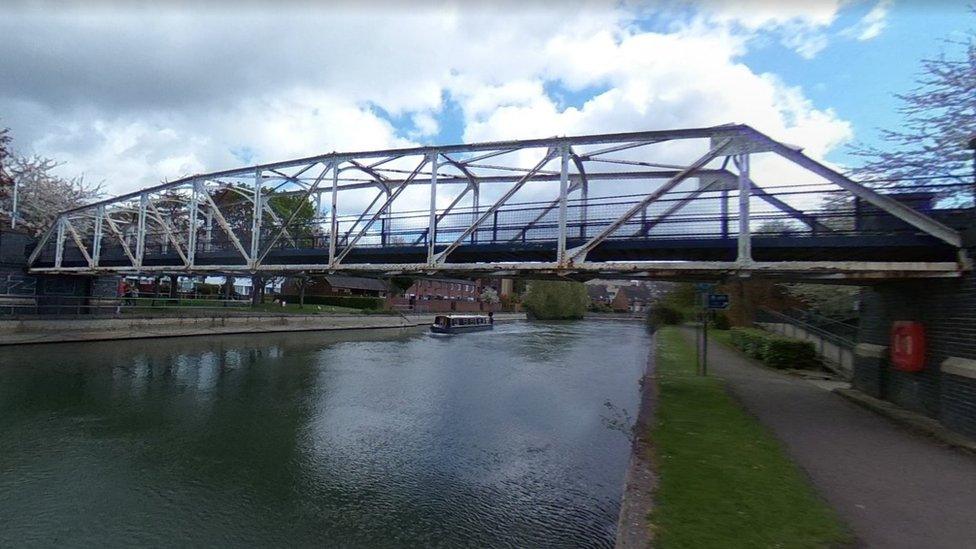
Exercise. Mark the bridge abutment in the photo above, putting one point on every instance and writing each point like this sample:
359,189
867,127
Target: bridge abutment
945,388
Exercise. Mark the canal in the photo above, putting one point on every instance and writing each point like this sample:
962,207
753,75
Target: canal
379,439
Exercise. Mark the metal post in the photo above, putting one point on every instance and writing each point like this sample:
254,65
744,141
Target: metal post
256,219
141,230
475,204
725,214
745,239
13,210
59,250
208,231
705,340
971,145
584,204
432,222
563,187
97,239
334,220
191,240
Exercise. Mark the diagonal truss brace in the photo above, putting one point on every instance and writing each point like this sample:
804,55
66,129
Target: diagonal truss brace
226,227
78,242
118,234
441,257
578,254
177,245
294,213
885,203
393,196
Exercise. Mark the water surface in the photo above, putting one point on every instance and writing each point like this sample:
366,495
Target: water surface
379,439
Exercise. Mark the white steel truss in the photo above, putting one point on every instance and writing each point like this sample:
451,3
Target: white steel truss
270,217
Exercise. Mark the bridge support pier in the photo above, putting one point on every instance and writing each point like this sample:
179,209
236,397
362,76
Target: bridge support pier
945,388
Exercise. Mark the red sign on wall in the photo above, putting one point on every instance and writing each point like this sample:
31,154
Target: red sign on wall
908,346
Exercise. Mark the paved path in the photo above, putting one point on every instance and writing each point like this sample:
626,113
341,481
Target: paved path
894,488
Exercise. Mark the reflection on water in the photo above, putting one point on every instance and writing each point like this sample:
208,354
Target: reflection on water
382,438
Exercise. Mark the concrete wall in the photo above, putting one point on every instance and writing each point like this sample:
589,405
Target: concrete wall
946,388
837,358
15,332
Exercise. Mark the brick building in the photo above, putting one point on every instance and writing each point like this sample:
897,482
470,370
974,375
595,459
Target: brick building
444,288
339,285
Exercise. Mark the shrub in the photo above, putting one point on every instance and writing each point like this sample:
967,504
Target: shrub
353,302
782,352
663,315
773,350
556,299
721,322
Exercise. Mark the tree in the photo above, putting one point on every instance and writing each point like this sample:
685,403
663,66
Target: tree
41,194
400,284
302,282
939,120
489,295
556,299
5,180
834,301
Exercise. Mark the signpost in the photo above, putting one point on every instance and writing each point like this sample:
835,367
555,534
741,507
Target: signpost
718,301
710,302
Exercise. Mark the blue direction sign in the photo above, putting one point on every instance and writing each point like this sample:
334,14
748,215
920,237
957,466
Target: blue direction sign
718,301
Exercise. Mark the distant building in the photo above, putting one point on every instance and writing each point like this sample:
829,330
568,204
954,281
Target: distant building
456,289
339,285
633,299
598,294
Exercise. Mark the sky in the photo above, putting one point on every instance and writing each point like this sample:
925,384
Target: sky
136,94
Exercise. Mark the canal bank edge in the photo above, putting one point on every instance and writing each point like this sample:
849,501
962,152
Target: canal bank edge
633,528
37,331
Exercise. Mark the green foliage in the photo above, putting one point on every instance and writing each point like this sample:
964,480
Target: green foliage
707,448
660,314
209,289
556,299
285,205
400,284
773,350
352,302
721,322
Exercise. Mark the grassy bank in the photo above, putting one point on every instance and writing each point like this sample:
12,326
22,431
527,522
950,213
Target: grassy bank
724,481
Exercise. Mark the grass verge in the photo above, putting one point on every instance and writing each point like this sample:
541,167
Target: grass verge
724,481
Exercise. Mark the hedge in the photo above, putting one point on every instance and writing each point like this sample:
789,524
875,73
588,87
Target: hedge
663,315
353,302
773,350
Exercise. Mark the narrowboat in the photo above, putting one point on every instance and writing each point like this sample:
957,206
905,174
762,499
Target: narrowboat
456,324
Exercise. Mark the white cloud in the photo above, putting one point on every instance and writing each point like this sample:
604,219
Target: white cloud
871,25
199,91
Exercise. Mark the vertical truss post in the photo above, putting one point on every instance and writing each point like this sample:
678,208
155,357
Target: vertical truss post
745,238
59,248
208,230
585,196
432,221
724,206
563,188
333,217
141,229
97,238
191,239
258,213
475,203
